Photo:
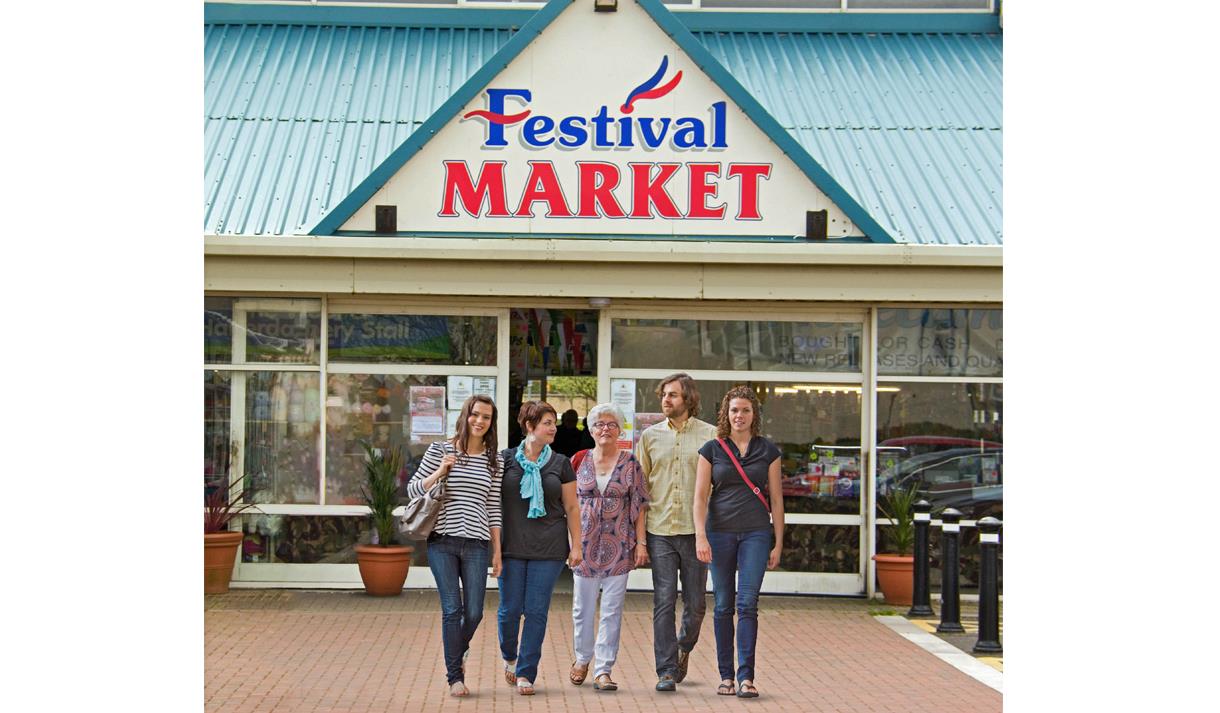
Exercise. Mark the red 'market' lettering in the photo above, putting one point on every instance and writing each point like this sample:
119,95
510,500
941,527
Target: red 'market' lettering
543,185
597,183
700,189
490,188
749,174
648,191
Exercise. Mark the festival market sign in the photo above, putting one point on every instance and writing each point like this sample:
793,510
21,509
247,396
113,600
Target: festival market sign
596,123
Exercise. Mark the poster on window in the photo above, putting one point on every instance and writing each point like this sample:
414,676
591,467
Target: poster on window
622,394
460,389
643,421
427,404
451,420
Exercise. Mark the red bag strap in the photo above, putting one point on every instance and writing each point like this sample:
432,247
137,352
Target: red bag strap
744,477
579,458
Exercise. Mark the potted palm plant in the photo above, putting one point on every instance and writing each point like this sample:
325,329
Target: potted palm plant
383,564
220,544
896,570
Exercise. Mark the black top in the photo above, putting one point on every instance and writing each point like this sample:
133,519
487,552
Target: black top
541,538
733,507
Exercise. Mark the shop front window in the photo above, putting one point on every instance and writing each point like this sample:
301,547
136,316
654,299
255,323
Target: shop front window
286,333
281,436
940,342
412,339
821,548
257,331
737,345
308,539
945,440
815,426
218,330
389,411
217,386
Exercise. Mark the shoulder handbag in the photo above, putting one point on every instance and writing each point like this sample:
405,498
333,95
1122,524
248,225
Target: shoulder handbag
421,513
744,477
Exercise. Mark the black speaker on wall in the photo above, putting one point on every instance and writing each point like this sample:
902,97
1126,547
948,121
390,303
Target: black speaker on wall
387,219
815,224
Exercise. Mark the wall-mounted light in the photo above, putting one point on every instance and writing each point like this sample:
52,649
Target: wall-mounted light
599,302
385,219
605,5
815,224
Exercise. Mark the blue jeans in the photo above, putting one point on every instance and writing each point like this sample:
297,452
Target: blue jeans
525,588
741,556
452,559
673,557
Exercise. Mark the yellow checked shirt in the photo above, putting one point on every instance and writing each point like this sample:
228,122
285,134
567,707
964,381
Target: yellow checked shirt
668,457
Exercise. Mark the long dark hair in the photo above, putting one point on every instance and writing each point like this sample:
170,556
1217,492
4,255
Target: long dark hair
723,427
489,438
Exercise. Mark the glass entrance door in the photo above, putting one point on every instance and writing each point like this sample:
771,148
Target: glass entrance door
808,372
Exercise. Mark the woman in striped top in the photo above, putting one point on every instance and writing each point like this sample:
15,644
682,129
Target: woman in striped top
467,532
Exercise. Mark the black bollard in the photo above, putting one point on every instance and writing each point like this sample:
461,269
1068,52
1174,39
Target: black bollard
950,607
921,603
989,591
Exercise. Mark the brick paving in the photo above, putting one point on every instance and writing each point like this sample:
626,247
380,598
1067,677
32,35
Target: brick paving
292,650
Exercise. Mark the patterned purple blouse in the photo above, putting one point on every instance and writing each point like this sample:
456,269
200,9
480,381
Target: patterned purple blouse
607,520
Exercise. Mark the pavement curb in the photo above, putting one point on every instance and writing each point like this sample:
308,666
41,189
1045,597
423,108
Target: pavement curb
945,651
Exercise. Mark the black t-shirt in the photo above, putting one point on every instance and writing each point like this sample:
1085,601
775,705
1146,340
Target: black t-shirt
540,538
733,507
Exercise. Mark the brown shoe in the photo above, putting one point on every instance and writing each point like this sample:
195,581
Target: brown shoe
683,663
578,673
603,683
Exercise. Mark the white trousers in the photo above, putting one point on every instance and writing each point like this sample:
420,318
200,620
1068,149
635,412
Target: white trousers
584,605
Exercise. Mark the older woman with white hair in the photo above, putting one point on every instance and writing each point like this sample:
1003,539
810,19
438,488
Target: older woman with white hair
613,496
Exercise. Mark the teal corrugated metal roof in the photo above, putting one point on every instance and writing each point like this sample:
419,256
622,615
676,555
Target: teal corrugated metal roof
909,124
297,115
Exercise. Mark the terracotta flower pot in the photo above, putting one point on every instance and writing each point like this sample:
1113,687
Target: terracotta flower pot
384,569
219,554
896,575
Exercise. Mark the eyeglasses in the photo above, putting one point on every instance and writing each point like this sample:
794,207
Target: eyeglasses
605,426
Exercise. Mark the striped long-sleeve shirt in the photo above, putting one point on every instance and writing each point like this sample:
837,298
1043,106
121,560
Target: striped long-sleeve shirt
471,504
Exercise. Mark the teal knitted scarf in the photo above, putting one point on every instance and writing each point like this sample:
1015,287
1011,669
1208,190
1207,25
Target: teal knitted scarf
531,480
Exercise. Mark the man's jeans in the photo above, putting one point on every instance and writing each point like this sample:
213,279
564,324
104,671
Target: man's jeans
673,556
525,588
452,559
741,556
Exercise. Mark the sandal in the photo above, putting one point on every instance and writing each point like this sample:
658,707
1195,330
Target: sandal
725,688
578,673
524,687
603,683
747,690
510,672
458,689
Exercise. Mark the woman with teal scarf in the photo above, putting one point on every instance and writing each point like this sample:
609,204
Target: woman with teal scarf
541,531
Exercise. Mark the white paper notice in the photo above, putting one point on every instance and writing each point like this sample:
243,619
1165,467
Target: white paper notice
460,389
622,394
485,386
451,419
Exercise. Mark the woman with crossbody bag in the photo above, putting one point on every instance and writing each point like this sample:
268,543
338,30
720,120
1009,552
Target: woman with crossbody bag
739,530
466,536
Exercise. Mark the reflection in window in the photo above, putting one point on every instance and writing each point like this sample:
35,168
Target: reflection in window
375,408
412,339
736,345
216,400
308,539
940,342
217,330
282,436
821,548
815,426
277,331
946,440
